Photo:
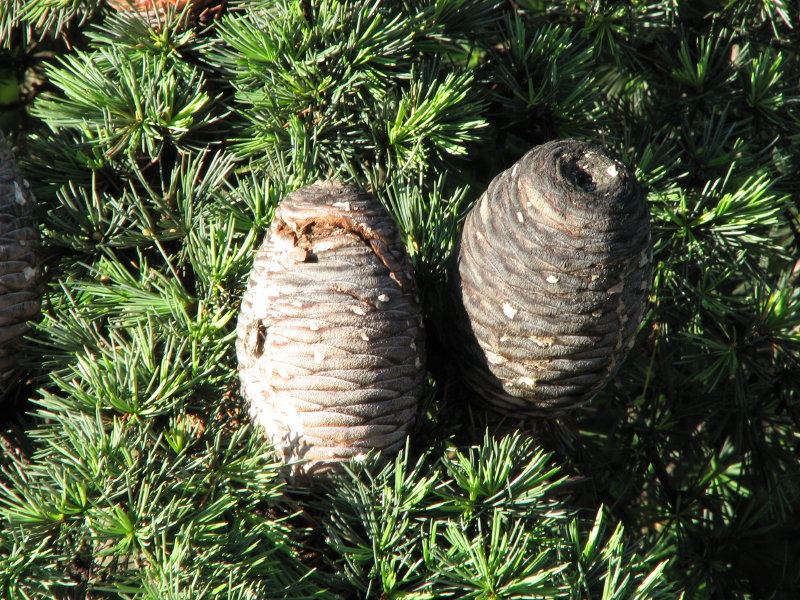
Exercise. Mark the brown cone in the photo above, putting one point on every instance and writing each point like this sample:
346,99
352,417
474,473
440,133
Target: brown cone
330,339
20,292
153,9
554,270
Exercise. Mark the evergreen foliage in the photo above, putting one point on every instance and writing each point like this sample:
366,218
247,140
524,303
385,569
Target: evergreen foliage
159,148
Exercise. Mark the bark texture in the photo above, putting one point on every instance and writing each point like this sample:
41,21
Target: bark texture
330,338
20,276
554,270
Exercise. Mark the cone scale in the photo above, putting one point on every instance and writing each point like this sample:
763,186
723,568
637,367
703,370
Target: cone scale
330,340
553,274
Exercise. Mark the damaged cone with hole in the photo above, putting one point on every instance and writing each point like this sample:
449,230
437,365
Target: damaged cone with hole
330,339
20,290
554,269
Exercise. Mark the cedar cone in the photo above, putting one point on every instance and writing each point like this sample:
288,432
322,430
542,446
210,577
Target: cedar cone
20,299
153,8
330,340
554,269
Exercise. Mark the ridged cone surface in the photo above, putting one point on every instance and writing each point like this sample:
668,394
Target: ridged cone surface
20,293
554,270
330,340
